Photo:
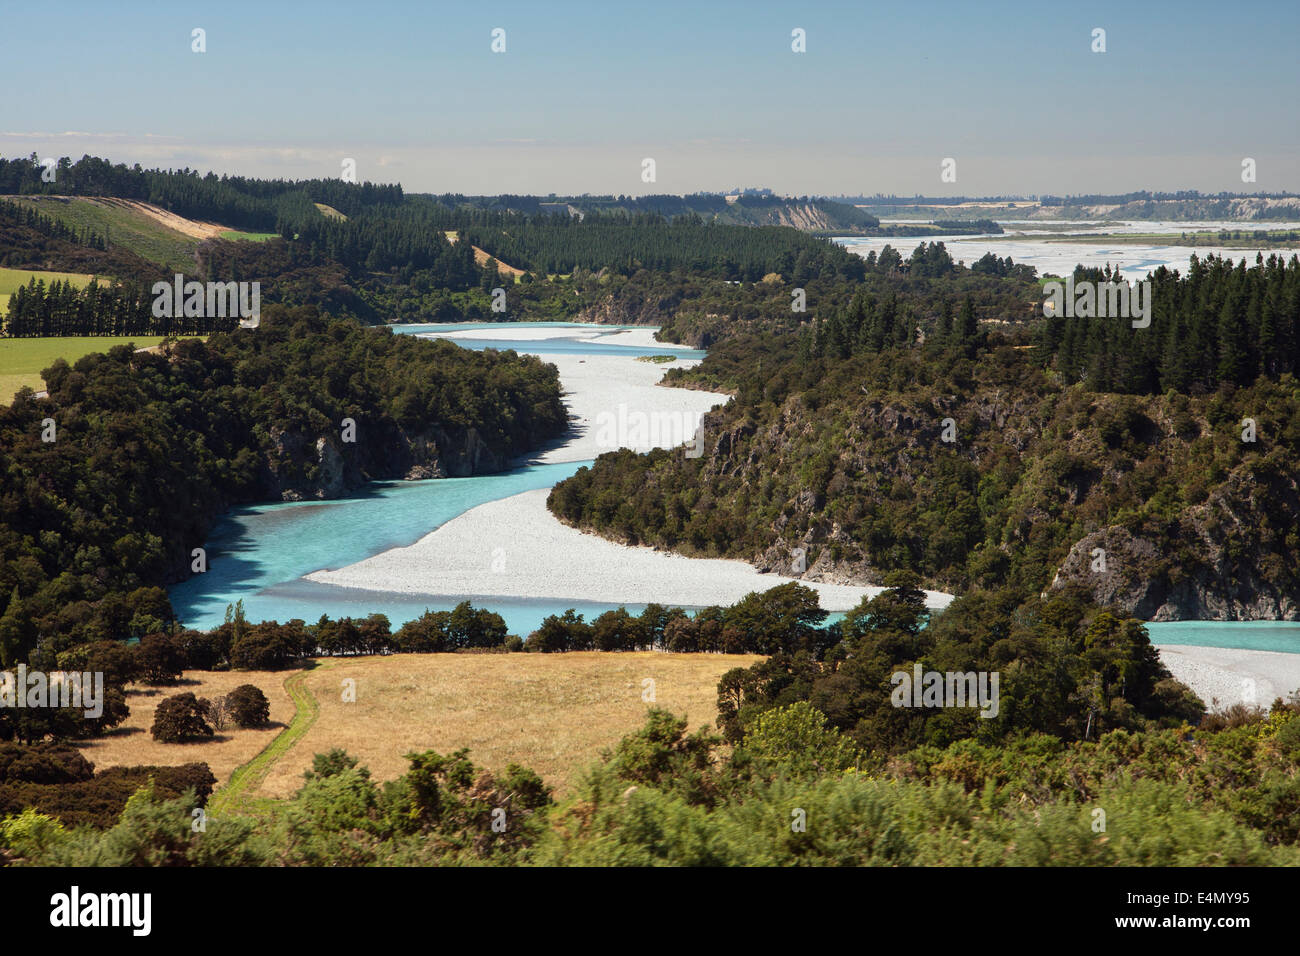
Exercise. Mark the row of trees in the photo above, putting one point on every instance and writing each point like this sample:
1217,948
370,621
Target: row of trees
112,309
785,619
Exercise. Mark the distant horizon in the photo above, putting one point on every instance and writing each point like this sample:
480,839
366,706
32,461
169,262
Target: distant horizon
902,198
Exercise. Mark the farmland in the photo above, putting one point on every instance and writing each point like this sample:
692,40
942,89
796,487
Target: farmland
553,713
23,360
131,743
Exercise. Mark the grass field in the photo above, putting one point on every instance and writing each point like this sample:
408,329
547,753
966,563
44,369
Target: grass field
551,712
235,235
23,360
131,744
121,225
554,713
11,279
329,211
236,794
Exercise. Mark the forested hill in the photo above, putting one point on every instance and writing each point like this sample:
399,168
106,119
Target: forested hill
236,201
299,408
378,255
987,456
803,212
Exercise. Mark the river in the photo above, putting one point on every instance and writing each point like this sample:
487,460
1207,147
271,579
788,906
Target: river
263,554
1060,256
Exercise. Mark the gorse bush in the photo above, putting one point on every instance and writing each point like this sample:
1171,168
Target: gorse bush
796,793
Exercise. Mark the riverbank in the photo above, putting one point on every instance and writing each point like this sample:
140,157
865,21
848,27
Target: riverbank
515,548
1223,676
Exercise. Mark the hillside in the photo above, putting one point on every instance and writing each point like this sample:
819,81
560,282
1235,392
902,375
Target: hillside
149,232
1038,479
808,216
1244,208
1145,205
804,214
481,256
1004,453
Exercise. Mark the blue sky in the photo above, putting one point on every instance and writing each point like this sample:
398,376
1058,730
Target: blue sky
711,91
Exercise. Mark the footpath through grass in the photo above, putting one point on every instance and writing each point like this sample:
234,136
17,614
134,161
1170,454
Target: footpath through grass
236,797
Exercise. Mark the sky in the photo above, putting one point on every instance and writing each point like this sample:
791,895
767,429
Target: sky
713,93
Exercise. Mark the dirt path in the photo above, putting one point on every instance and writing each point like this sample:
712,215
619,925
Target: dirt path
236,797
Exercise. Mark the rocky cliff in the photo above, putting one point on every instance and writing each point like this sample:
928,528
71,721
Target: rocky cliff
298,468
1153,504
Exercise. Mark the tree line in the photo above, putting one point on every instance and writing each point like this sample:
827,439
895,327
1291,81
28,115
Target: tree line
111,309
236,201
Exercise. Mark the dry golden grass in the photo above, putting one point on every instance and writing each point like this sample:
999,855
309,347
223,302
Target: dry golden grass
481,256
553,713
131,744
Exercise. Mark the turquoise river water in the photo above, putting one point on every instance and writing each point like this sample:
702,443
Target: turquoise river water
259,554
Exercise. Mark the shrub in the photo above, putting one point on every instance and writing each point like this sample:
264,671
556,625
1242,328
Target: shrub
29,834
334,761
248,706
797,740
155,830
160,658
179,719
98,801
43,763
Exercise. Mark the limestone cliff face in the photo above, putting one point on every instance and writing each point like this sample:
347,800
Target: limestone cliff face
1253,211
299,469
622,310
1226,571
